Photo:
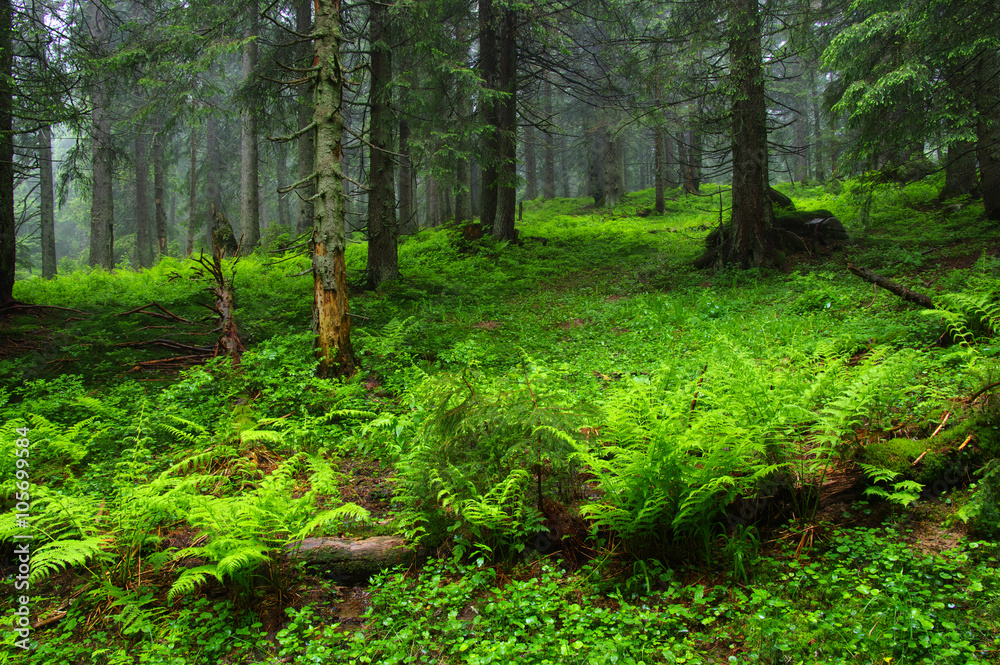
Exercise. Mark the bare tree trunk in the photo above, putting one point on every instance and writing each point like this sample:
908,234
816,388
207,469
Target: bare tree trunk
249,157
307,140
432,202
407,208
490,141
463,213
159,187
143,244
660,171
960,170
8,245
530,164
102,206
280,160
613,173
988,132
595,135
748,243
213,182
192,193
802,156
817,143
383,232
46,199
549,179
564,152
331,317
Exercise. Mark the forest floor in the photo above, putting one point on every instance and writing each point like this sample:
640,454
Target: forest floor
610,456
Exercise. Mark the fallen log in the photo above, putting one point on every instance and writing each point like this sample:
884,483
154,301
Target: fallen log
892,287
353,561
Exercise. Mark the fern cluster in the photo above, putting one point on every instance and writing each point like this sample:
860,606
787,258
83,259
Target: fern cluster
481,461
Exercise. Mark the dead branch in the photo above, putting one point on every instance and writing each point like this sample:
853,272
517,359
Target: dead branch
900,290
166,313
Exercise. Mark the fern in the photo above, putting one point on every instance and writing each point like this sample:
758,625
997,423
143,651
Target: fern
55,556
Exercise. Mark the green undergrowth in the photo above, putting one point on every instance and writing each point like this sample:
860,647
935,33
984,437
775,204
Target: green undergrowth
584,389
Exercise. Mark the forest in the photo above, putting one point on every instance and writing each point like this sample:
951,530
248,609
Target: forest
428,331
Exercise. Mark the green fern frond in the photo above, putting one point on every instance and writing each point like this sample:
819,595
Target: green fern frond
61,554
191,579
348,511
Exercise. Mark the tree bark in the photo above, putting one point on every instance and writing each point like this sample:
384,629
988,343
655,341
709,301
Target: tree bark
383,232
613,169
213,166
817,143
159,188
7,220
143,243
281,171
355,561
407,206
490,142
549,179
960,177
102,210
988,132
46,199
659,170
530,165
249,157
192,193
331,319
748,243
307,141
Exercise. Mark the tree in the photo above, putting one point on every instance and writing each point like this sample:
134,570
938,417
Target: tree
383,231
249,158
7,223
331,318
102,204
748,243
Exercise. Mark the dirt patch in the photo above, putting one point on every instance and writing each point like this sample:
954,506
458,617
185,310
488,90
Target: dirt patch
572,323
487,325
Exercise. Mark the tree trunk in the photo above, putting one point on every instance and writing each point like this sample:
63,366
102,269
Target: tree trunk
102,206
463,212
503,225
692,179
213,166
613,169
249,158
307,141
817,143
748,244
431,201
159,187
332,323
46,201
489,142
7,220
355,561
281,162
564,162
960,171
383,232
659,170
801,173
192,193
407,208
143,242
549,178
530,165
595,157
988,132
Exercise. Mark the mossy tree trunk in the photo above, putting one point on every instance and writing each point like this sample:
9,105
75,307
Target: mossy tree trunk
748,242
330,309
143,227
503,224
159,189
249,153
